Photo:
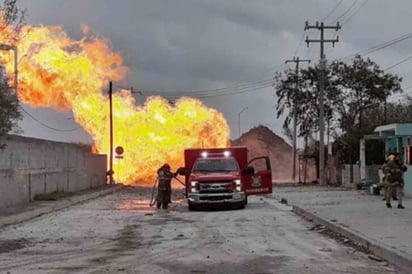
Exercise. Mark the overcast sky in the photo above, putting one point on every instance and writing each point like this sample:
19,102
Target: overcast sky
184,45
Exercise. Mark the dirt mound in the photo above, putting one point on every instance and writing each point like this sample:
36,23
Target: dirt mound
261,141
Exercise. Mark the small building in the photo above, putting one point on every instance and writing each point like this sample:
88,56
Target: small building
397,138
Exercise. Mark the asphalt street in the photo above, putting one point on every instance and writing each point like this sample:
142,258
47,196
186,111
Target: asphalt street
120,233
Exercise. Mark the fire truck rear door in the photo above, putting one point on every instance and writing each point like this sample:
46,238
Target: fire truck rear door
260,182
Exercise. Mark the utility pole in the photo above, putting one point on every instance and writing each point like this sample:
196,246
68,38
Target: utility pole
13,48
322,67
16,71
111,172
296,60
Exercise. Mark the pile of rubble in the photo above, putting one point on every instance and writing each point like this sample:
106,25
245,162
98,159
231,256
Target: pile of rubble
261,141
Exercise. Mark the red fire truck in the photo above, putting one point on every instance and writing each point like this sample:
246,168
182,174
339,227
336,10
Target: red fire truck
222,176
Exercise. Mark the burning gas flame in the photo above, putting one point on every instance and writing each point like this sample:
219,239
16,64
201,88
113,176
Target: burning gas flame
57,71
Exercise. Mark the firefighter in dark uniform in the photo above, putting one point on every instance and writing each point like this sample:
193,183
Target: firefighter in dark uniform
164,189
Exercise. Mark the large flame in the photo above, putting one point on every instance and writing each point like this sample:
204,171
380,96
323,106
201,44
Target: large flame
56,71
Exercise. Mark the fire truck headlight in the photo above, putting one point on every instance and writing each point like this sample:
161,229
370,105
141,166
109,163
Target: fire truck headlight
226,153
204,154
238,185
194,186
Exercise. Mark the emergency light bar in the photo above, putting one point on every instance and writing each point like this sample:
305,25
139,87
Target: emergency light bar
206,154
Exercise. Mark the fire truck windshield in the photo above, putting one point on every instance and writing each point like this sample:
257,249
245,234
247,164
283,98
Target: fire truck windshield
216,165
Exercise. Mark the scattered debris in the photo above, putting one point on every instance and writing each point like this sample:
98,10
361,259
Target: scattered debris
340,238
326,249
372,257
283,201
318,228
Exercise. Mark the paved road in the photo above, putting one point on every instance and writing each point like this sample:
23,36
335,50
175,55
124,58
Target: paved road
120,233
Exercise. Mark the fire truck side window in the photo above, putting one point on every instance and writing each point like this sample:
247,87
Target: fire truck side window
259,165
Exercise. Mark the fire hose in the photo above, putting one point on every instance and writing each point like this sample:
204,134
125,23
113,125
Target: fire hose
153,199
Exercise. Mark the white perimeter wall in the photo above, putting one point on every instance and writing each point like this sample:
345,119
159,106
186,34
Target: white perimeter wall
31,166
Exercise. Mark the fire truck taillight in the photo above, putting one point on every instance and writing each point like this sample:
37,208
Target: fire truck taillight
238,185
194,186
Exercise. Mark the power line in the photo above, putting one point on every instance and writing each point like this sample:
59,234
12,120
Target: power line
386,69
330,13
380,46
309,51
207,93
346,12
398,63
300,43
251,86
356,11
254,89
348,19
229,88
239,91
47,126
408,87
257,85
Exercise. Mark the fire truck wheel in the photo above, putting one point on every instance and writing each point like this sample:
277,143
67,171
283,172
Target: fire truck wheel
242,205
192,207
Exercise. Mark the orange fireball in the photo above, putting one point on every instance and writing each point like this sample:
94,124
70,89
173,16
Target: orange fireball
57,71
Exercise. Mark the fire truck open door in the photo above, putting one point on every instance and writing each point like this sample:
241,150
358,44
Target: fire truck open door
257,177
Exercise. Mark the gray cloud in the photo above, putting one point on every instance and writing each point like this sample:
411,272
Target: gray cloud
195,45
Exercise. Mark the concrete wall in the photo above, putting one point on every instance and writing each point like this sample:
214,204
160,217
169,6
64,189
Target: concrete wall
371,175
346,175
31,166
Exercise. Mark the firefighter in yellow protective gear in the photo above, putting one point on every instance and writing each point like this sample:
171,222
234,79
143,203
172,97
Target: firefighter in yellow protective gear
393,171
384,183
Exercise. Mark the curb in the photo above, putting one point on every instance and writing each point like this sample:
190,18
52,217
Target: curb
390,254
58,205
